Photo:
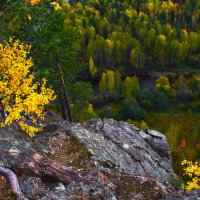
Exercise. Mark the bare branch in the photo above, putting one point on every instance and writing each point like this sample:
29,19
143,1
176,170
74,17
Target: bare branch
13,181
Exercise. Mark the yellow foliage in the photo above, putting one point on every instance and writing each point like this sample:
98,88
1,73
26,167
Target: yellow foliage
92,67
192,171
34,2
162,83
139,124
56,6
90,108
18,93
29,17
83,112
92,10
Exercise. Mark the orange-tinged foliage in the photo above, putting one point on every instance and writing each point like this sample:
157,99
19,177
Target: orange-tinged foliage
19,94
34,2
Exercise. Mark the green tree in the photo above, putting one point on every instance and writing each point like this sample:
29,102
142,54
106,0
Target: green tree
109,47
179,84
176,53
162,84
55,48
118,84
131,110
19,19
150,40
194,42
102,85
110,82
130,87
164,94
137,58
159,49
92,67
194,85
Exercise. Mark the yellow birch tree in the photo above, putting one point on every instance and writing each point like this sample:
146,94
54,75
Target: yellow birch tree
21,99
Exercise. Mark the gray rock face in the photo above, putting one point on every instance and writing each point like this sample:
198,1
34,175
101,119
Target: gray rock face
110,160
183,195
126,147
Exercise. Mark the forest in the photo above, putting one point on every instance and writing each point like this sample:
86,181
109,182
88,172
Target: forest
132,60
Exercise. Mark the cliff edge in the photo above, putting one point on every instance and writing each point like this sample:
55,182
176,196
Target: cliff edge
98,159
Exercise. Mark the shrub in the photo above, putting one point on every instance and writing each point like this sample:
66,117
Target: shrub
192,172
162,100
83,112
107,112
131,109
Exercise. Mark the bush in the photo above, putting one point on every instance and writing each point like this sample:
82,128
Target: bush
107,112
146,104
155,99
83,112
162,101
196,107
145,94
185,107
131,109
192,172
139,124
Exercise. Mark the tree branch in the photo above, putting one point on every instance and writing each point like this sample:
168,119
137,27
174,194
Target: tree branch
13,181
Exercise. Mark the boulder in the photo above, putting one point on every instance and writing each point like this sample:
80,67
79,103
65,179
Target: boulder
98,159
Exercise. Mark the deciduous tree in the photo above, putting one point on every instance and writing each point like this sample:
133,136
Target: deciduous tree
92,67
130,86
194,85
21,99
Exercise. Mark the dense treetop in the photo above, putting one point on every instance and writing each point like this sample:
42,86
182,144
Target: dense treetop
138,33
130,34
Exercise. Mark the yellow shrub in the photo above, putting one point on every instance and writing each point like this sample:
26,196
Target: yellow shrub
192,171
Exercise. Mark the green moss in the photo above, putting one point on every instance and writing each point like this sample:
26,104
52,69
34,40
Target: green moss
129,188
79,153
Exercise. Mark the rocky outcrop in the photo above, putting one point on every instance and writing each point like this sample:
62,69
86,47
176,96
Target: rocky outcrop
129,149
99,159
184,195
